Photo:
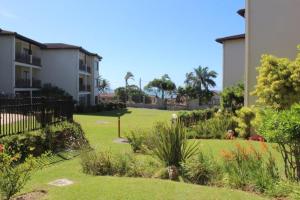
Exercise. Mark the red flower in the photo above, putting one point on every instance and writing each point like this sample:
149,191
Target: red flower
1,148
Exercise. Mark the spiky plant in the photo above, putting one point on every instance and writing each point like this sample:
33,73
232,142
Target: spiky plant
171,144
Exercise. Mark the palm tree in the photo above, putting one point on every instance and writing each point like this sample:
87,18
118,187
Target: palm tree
202,79
103,85
128,76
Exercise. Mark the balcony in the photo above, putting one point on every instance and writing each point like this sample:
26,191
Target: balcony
28,59
83,67
36,83
84,88
22,83
25,83
88,69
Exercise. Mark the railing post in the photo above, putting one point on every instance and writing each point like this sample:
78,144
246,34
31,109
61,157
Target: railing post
43,112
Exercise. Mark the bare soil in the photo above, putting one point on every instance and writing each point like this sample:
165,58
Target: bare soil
35,195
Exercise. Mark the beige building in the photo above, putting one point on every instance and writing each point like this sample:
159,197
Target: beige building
26,64
271,28
233,59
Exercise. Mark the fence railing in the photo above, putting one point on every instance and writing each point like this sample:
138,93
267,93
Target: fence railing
27,114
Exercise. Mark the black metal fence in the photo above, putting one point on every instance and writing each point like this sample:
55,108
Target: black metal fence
19,115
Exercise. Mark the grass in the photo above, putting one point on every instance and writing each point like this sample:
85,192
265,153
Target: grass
101,130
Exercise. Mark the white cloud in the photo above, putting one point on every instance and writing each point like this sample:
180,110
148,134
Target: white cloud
6,14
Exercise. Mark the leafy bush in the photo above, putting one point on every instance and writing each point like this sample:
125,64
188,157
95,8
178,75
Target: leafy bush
100,163
278,82
13,176
65,135
171,145
136,138
54,138
244,119
283,128
189,118
232,98
214,128
105,163
202,170
248,169
109,106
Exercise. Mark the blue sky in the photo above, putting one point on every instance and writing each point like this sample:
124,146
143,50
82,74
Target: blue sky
147,37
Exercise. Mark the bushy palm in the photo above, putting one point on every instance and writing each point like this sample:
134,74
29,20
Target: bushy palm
202,79
127,77
171,144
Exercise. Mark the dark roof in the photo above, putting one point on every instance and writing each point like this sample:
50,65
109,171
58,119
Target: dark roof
21,37
233,37
48,45
242,12
69,46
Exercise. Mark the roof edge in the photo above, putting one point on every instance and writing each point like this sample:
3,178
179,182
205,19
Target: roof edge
233,37
241,12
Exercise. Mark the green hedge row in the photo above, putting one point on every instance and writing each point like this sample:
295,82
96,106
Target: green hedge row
189,118
100,107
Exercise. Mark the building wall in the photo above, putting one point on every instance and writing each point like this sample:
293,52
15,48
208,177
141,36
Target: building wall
272,27
60,68
95,77
233,62
7,64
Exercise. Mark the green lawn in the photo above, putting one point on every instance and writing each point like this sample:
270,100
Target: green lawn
101,130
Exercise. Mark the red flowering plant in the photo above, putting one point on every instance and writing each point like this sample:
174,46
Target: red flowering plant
250,168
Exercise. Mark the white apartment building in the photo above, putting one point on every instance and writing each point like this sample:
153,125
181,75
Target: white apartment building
25,65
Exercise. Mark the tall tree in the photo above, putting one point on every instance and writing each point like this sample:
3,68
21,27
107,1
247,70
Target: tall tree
202,80
127,77
163,84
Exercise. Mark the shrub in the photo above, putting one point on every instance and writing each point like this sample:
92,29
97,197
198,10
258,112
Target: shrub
100,163
193,117
65,135
248,169
137,138
283,128
202,170
214,128
171,145
107,106
104,163
13,176
232,98
244,119
54,138
278,82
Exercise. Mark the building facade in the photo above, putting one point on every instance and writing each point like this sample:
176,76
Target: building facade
25,65
233,59
271,28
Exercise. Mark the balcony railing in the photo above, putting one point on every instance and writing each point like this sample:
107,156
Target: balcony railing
22,83
88,69
36,83
88,88
28,59
83,67
25,83
84,88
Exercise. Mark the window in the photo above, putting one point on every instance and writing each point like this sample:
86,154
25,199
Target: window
96,64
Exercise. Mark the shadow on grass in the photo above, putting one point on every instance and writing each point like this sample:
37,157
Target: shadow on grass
113,113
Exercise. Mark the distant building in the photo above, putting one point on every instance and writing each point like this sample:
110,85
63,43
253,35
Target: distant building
25,65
